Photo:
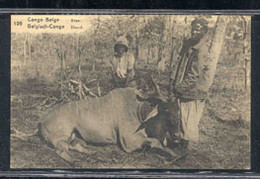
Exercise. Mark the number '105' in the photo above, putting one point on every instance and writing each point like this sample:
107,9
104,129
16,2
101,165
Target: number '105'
18,23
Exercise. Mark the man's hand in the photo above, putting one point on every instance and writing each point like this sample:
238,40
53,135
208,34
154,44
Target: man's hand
129,77
171,97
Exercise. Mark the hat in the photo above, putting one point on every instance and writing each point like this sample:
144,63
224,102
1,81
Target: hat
201,21
122,40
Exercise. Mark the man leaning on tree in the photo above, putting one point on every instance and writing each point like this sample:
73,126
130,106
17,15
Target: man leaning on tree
190,85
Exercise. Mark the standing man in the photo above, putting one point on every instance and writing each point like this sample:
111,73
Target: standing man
190,85
123,64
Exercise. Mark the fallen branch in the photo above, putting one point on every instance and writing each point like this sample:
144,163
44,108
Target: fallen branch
88,91
91,81
32,106
73,82
82,90
51,104
44,102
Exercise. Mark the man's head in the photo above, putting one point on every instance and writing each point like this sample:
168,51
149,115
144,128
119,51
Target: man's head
121,46
120,49
198,28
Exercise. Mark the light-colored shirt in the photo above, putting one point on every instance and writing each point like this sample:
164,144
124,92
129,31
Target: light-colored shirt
122,64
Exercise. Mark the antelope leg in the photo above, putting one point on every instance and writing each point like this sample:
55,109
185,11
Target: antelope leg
80,146
62,149
156,144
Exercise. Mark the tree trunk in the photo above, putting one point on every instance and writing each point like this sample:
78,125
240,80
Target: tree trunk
172,53
61,74
64,60
216,45
137,47
173,46
161,60
79,64
137,41
245,51
246,72
30,49
160,47
78,58
95,43
25,42
148,53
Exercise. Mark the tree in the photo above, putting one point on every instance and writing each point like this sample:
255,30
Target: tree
216,45
246,49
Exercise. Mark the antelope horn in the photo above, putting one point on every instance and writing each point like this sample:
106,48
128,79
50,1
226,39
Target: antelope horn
158,91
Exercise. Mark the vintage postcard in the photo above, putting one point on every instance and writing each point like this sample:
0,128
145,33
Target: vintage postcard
130,91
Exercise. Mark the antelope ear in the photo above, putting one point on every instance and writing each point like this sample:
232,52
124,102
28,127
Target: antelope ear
152,114
140,94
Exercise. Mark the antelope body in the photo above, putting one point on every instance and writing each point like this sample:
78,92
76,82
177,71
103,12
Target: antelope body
112,119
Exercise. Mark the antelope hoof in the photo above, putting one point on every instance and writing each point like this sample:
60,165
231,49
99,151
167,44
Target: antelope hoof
65,156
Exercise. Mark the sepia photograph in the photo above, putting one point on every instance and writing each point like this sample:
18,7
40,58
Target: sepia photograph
130,92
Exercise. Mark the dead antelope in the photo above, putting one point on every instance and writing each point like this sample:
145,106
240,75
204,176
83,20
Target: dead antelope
116,118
